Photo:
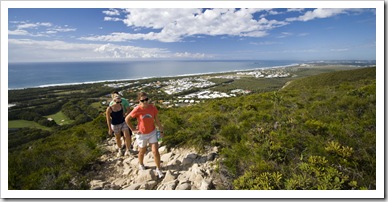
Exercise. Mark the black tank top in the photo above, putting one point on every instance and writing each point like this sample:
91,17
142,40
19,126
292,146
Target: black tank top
117,117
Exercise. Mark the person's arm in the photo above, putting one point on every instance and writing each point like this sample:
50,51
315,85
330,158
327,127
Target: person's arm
124,110
127,110
129,124
108,120
160,127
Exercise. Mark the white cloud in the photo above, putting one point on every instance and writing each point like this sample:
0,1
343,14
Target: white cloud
117,51
339,50
111,12
273,12
33,25
295,9
59,29
112,19
318,13
18,32
27,50
264,43
191,55
38,29
172,25
255,34
285,34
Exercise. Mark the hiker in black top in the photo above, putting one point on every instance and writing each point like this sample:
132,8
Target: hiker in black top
117,117
116,124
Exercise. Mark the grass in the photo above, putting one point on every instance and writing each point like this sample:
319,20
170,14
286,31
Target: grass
253,84
66,92
25,124
265,84
315,70
99,106
60,118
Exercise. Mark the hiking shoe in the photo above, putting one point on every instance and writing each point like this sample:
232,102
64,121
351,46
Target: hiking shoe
159,172
119,153
141,167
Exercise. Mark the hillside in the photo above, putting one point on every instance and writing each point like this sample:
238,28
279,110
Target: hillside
317,132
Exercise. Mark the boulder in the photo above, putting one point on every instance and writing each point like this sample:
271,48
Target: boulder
97,184
206,184
145,175
183,186
187,161
168,177
133,186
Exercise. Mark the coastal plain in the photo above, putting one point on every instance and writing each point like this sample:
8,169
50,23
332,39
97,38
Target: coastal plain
166,91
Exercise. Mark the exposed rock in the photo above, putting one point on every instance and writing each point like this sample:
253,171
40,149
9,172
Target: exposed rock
133,186
184,169
145,175
97,184
184,186
170,185
169,177
206,184
211,156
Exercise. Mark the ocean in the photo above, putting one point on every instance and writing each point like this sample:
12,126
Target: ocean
28,75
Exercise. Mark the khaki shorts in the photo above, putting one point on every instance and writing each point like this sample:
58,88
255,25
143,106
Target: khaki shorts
144,139
119,127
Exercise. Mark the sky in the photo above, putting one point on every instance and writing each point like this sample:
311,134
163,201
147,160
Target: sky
116,34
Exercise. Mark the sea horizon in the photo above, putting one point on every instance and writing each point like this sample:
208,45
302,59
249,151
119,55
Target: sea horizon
48,74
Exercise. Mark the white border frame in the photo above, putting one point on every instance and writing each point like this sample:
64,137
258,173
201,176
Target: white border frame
380,88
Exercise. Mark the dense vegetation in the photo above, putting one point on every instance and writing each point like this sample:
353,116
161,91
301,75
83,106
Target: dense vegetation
318,132
56,161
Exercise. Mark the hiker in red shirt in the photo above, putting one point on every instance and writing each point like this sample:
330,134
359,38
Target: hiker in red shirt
147,117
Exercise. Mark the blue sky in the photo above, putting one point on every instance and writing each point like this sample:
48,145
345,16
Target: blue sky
106,34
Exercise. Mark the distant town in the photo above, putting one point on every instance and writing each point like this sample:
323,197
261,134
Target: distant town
203,83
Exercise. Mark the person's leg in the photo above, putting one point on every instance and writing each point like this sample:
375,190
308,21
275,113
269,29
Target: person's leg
142,145
155,152
127,139
117,131
130,137
118,140
142,151
123,137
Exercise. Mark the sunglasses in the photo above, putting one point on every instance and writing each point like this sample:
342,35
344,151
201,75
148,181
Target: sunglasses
118,101
144,100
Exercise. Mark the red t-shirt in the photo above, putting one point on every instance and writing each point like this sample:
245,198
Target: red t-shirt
145,118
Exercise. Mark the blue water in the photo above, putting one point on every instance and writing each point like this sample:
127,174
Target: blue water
27,75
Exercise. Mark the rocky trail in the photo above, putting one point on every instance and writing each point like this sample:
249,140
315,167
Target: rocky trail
184,169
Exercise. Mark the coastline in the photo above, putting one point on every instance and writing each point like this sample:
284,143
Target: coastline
319,64
153,77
